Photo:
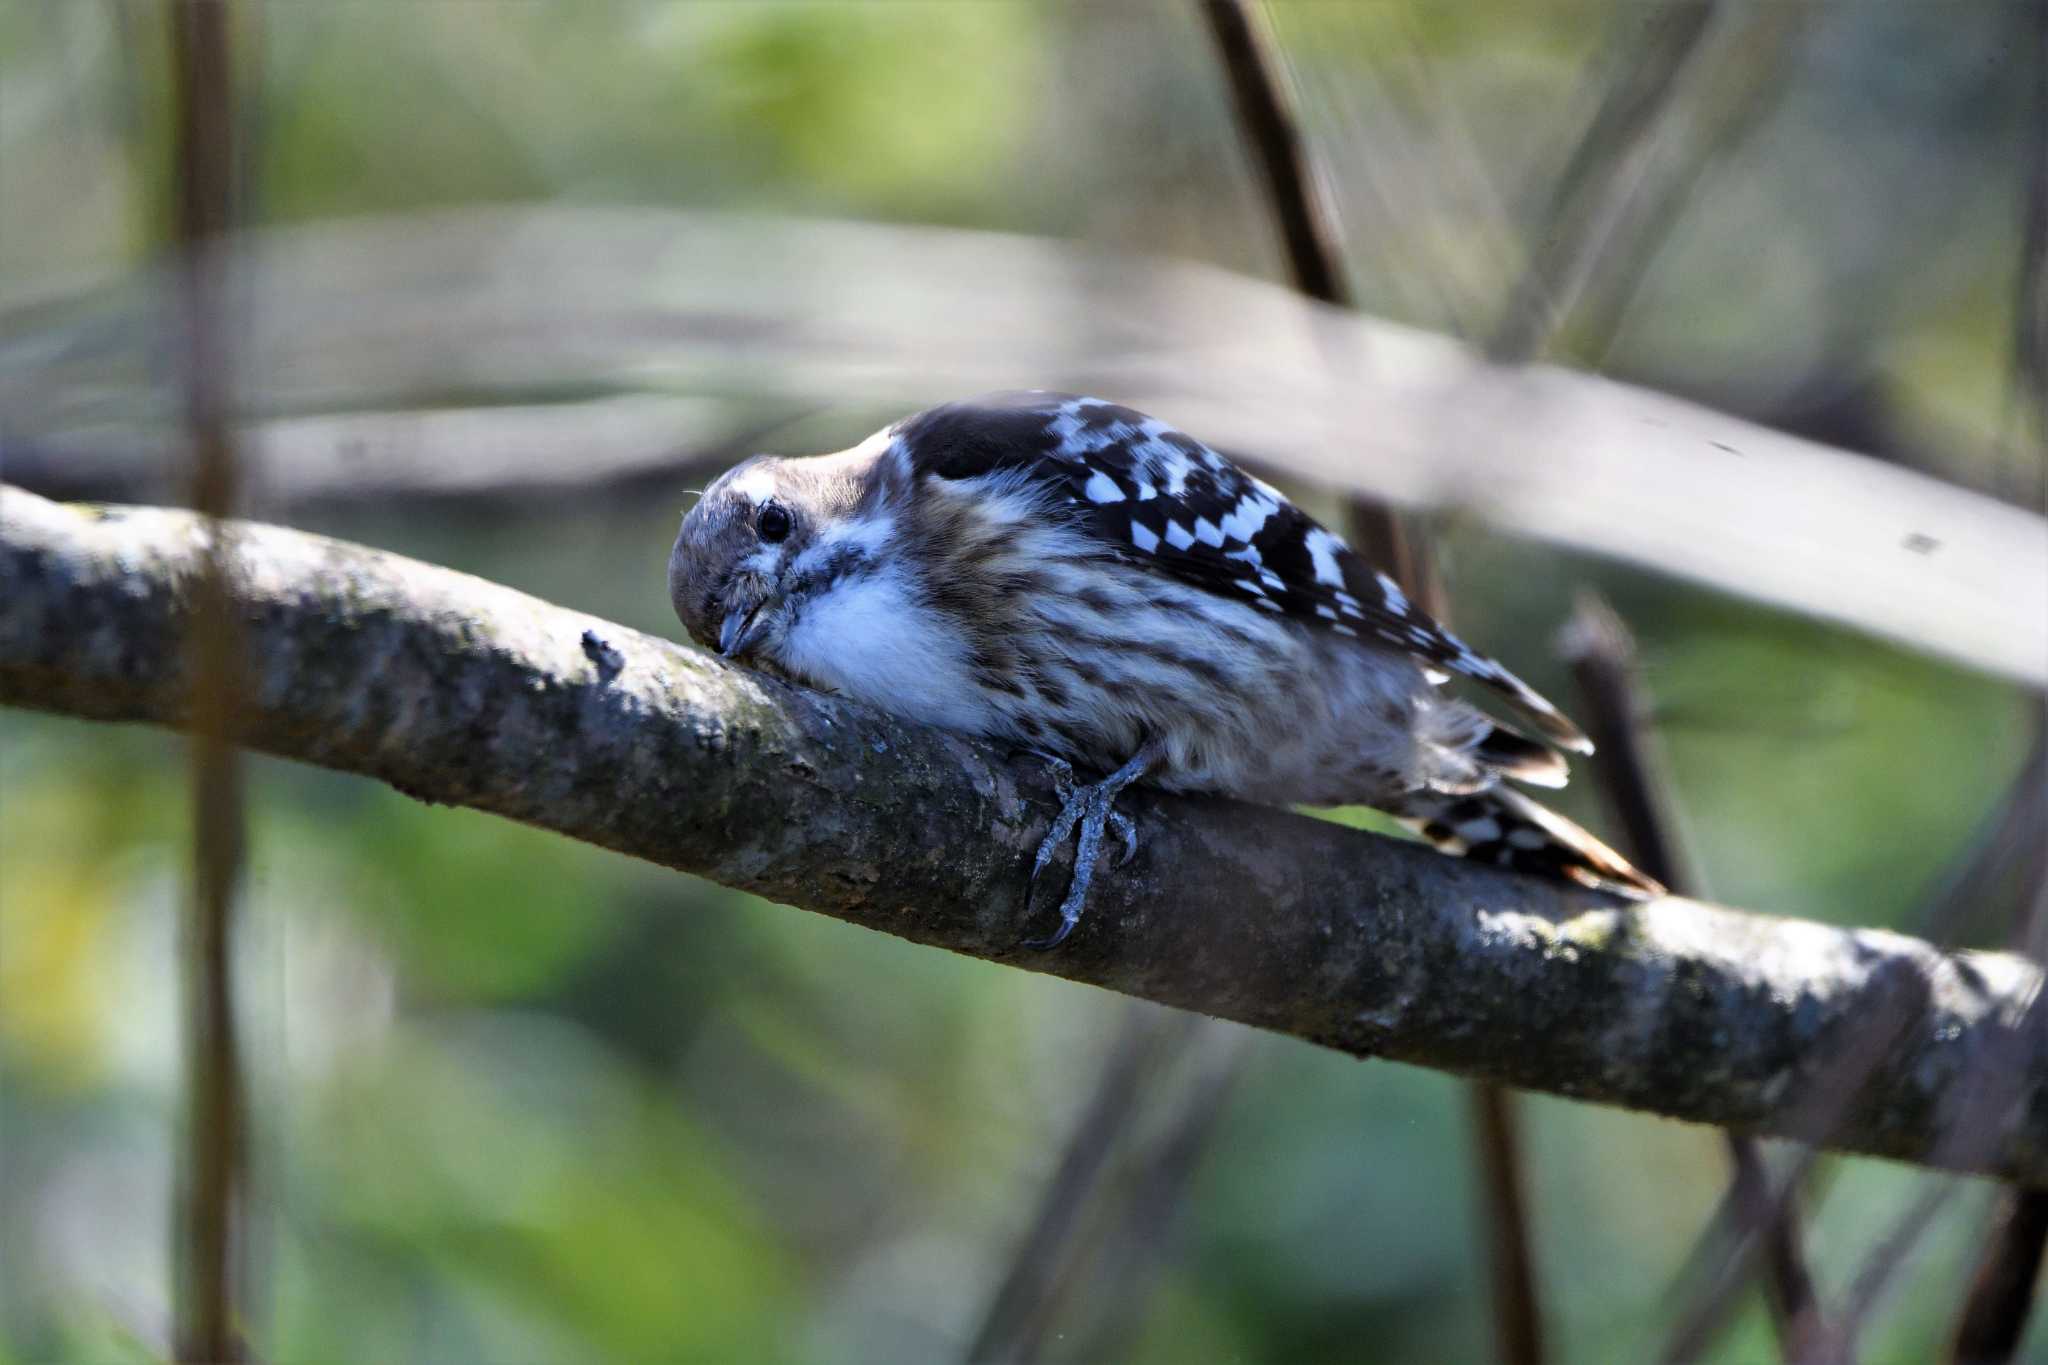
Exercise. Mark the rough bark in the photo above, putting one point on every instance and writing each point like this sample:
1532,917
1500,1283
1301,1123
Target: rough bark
459,691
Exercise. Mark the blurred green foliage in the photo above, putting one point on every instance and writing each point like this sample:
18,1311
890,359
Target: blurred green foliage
521,1100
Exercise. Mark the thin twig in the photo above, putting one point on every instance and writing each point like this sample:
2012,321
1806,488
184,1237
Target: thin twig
1733,100
1518,1334
1308,238
2001,1298
2008,842
212,1217
1796,1315
1023,1303
1141,1239
1273,133
1615,712
1599,176
1880,1269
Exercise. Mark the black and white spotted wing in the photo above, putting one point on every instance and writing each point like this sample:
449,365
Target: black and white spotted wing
1161,497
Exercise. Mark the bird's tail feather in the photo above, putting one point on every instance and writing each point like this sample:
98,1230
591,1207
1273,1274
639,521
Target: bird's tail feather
1513,754
1501,826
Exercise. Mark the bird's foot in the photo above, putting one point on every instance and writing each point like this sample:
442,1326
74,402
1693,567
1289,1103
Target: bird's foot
1073,805
1092,806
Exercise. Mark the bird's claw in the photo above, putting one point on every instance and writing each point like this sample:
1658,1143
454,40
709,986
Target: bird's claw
1054,939
1092,807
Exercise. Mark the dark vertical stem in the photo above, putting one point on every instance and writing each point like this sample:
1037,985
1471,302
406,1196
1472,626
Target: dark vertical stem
1517,1315
2001,1297
1383,536
2030,312
2000,1300
1602,656
1994,1315
1274,135
1788,1284
1308,239
1603,661
209,1223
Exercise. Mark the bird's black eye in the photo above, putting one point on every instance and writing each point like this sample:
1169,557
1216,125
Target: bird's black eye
773,522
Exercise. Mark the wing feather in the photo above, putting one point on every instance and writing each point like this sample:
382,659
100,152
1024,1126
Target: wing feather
1157,496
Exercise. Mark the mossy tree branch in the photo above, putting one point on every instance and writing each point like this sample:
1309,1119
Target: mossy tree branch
459,691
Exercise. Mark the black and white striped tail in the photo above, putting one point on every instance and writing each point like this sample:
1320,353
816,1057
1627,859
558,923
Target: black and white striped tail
1504,827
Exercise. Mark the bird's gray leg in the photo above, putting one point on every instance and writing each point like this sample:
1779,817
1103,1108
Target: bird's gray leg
1093,808
1073,802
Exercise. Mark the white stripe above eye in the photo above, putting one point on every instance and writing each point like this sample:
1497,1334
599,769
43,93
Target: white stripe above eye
757,485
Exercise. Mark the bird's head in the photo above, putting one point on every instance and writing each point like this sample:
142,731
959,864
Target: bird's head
767,536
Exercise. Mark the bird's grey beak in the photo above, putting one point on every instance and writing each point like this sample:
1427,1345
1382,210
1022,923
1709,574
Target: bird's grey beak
739,632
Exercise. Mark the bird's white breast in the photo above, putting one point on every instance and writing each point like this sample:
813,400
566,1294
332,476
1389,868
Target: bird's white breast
868,637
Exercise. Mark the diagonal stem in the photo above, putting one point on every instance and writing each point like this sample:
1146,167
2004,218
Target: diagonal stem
1601,175
1602,656
2008,850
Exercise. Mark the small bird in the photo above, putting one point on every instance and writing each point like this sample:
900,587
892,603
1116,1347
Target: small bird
1080,581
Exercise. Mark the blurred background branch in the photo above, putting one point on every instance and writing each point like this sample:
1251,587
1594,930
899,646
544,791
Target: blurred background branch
603,449
498,302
